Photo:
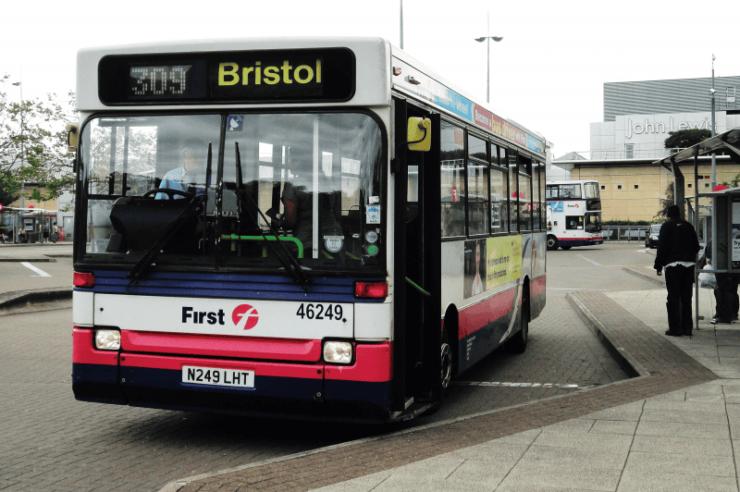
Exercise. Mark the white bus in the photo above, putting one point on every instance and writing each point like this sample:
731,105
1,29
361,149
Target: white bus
295,226
573,214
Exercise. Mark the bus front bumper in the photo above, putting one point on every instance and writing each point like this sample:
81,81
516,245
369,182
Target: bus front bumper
360,391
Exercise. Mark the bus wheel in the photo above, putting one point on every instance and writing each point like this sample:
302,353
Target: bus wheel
518,343
446,361
552,242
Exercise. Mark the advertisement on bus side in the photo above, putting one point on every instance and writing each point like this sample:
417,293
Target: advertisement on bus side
491,262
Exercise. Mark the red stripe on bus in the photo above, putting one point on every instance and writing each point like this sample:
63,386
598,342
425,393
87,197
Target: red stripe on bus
270,369
585,238
221,346
475,317
373,364
84,352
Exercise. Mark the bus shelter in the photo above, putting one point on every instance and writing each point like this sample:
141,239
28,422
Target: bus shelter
26,224
723,224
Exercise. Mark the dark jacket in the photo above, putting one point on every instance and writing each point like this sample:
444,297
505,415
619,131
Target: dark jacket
677,242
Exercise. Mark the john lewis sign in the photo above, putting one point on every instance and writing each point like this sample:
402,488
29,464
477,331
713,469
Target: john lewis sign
662,125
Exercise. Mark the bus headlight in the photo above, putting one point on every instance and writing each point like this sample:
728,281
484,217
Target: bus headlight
336,352
107,339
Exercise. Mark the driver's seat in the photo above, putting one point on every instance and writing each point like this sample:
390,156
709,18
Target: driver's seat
140,221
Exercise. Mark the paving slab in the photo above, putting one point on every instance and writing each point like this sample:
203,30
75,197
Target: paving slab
646,463
614,427
680,429
682,415
573,457
603,443
539,488
659,481
682,445
532,474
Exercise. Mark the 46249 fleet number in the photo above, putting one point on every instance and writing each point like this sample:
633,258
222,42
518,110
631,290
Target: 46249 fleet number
318,311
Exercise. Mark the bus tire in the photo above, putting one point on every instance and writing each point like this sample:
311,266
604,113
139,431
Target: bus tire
552,242
518,343
446,361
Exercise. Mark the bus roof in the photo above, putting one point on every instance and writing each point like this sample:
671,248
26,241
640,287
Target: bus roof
572,181
379,68
412,77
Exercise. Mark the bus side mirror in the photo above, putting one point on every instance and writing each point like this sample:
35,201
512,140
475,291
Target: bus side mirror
419,134
73,137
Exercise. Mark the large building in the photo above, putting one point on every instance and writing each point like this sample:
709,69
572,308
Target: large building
638,117
668,96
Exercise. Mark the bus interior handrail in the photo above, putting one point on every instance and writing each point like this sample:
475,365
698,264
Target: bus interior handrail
267,237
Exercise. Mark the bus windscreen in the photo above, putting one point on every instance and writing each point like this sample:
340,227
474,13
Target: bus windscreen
312,182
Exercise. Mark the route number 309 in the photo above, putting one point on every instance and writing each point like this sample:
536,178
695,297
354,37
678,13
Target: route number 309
317,311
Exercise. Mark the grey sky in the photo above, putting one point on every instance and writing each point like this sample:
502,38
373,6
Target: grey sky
547,73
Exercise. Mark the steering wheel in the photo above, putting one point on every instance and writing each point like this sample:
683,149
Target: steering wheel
170,192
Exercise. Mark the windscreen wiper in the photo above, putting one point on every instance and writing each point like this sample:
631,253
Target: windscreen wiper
209,161
147,262
279,250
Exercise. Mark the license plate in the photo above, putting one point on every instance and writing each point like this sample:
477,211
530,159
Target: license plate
214,376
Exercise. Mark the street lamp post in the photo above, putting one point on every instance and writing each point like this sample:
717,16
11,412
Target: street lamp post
712,91
23,141
488,38
400,16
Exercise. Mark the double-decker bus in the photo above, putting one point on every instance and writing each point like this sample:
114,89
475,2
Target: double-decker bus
295,226
573,214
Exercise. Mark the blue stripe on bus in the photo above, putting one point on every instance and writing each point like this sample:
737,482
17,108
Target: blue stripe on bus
580,242
264,386
92,382
222,285
358,391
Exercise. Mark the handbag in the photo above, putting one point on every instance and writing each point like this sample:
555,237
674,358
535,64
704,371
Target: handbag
707,280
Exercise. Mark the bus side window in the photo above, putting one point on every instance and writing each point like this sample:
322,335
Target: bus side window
511,160
478,184
452,180
499,204
543,204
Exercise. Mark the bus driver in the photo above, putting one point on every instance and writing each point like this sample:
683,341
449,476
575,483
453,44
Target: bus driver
181,177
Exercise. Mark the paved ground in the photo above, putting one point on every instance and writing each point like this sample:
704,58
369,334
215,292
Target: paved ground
51,441
35,267
679,441
684,440
586,440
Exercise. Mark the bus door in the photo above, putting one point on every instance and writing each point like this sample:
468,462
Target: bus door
417,263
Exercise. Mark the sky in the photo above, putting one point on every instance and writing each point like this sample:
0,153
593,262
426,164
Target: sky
547,73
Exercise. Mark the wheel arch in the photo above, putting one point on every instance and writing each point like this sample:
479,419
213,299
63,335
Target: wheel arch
451,324
526,296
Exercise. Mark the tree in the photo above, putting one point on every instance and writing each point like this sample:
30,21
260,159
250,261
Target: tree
686,138
665,203
33,144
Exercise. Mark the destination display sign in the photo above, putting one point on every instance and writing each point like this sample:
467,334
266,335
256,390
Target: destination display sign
268,76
